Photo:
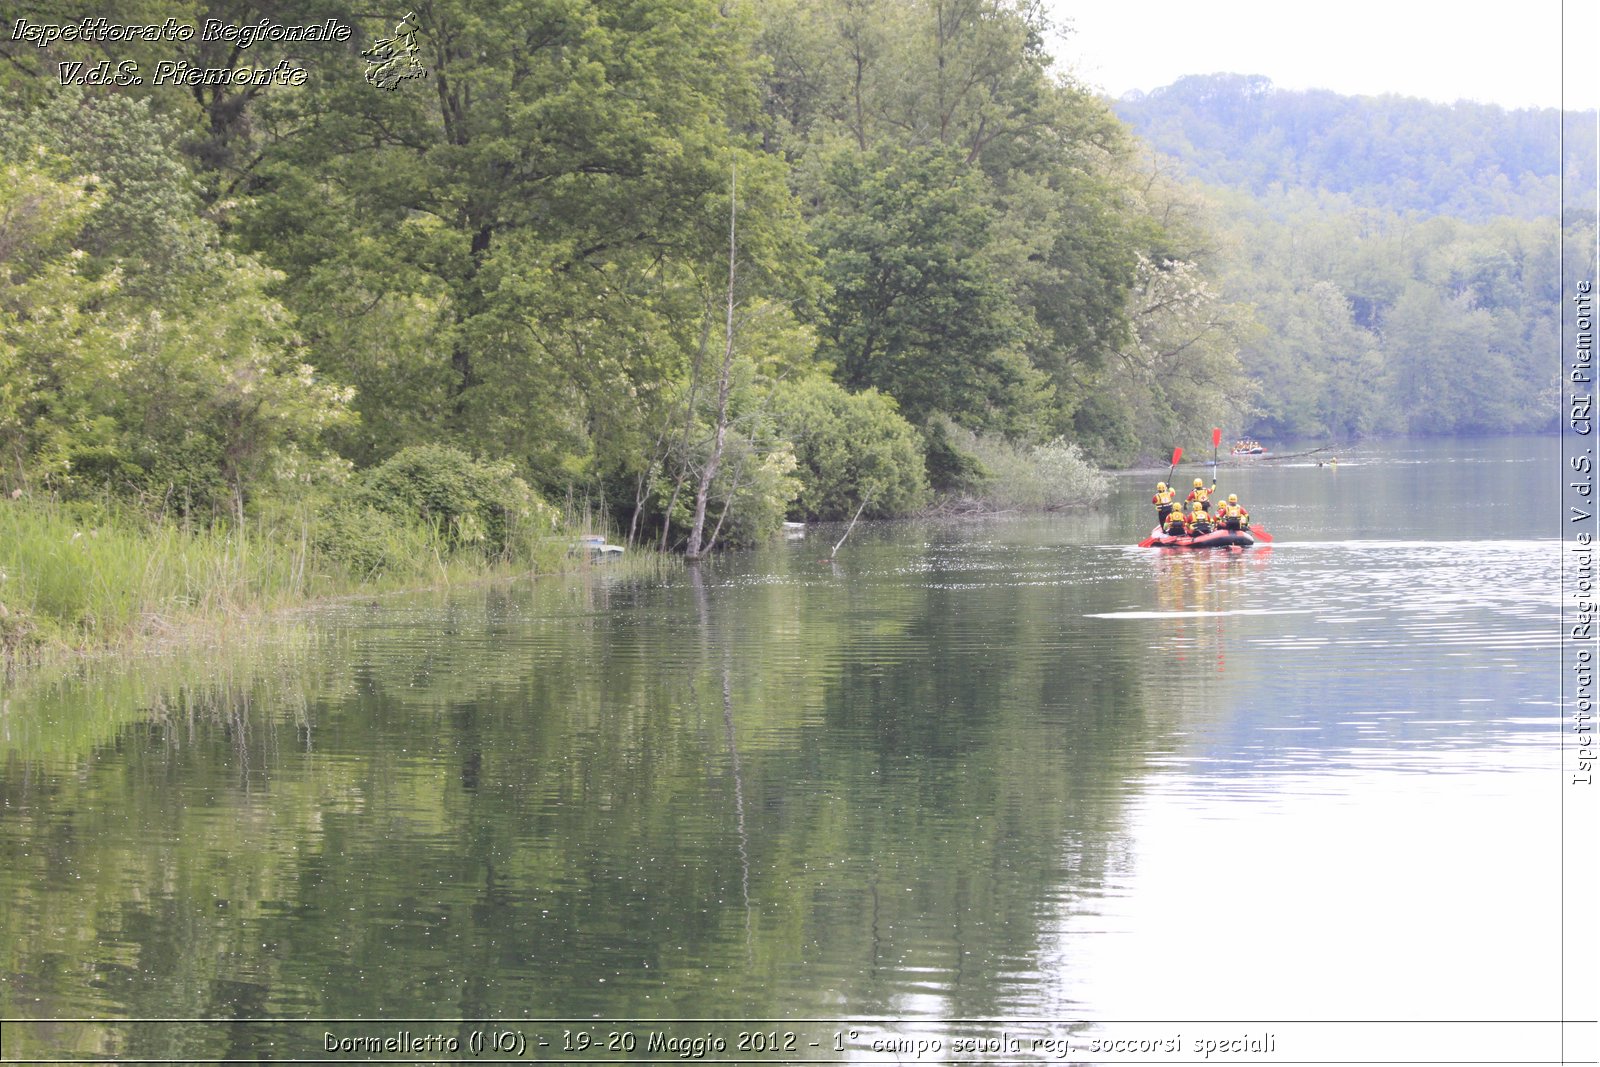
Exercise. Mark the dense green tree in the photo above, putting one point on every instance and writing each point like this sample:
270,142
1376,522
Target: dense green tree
200,400
1067,205
1181,374
1454,369
1178,372
52,334
1321,373
521,249
149,215
916,311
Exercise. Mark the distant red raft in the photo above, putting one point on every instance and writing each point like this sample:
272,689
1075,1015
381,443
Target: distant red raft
1214,539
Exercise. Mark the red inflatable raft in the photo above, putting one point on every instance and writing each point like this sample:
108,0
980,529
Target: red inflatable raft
1214,539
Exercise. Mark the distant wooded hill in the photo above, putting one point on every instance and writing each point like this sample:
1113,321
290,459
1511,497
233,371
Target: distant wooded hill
1401,258
1471,161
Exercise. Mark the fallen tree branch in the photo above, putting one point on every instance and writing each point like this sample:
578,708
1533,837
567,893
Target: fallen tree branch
847,530
1290,455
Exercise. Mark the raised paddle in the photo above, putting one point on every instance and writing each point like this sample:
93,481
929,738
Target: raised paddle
1216,440
1177,454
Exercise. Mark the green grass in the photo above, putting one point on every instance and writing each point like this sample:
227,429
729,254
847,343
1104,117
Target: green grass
76,578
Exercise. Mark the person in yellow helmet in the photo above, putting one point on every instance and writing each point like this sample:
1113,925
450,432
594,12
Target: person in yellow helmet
1199,520
1232,515
1201,495
1176,524
1163,500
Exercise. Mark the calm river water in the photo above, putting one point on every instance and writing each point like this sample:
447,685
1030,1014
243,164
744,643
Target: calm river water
1012,781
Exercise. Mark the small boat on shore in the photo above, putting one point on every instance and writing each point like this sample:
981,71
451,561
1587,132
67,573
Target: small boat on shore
595,548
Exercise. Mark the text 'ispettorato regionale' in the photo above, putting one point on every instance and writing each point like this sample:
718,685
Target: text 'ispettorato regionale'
177,71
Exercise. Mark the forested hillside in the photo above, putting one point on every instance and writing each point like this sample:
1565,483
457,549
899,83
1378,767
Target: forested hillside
1466,160
1402,257
703,265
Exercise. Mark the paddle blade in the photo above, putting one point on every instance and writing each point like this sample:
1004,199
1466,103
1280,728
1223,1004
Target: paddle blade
1260,535
1177,454
1216,436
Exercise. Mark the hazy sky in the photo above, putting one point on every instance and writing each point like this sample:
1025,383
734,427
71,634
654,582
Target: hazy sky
1506,52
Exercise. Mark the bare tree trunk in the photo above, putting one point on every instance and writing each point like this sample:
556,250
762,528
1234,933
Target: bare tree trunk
688,425
724,383
733,489
738,472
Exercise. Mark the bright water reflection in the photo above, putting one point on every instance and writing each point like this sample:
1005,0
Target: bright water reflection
1009,770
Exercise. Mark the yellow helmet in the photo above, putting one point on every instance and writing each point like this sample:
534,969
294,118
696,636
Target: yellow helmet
1196,506
1233,498
1198,482
1161,487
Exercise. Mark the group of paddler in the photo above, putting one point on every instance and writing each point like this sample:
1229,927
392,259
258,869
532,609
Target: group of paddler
1196,515
1175,520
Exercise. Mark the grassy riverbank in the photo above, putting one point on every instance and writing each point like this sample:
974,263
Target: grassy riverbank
77,578
110,572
